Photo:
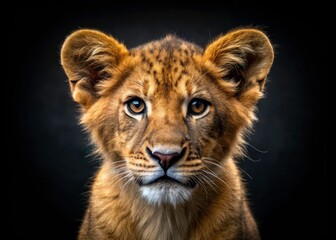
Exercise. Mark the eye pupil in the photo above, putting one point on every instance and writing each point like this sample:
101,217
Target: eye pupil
136,106
198,107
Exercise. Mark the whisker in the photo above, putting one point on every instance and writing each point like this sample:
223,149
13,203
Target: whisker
94,157
208,181
206,159
118,161
258,150
219,166
212,174
200,182
119,167
128,181
251,159
245,172
126,176
119,170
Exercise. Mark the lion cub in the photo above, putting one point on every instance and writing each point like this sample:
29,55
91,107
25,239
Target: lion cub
168,118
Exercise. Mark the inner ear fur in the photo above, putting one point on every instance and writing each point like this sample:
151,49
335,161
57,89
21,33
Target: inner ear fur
89,57
243,56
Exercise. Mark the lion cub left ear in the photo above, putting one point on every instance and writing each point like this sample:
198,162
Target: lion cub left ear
244,56
88,58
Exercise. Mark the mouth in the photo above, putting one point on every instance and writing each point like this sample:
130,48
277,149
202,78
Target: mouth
168,182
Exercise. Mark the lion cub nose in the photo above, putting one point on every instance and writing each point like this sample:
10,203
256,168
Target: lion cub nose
166,160
165,157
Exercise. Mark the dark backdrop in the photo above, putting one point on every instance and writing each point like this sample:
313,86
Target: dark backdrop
50,168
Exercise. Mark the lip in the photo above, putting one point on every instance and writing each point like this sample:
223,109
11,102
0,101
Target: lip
166,180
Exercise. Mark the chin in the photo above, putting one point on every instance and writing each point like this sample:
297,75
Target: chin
167,193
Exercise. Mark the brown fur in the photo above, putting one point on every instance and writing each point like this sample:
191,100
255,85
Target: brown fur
230,74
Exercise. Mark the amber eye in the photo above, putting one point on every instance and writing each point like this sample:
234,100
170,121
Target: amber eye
136,105
198,107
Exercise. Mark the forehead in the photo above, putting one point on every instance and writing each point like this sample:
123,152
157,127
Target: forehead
168,47
165,65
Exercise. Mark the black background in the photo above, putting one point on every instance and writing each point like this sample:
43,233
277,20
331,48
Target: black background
50,169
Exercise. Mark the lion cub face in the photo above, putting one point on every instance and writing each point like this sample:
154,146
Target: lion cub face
167,114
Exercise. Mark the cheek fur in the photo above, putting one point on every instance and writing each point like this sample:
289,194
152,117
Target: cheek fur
218,133
131,132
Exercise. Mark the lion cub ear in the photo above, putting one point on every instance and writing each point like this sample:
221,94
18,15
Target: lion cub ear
244,56
89,57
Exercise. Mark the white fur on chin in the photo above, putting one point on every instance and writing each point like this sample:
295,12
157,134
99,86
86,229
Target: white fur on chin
162,193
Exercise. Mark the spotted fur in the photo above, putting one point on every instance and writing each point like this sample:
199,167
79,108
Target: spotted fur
200,195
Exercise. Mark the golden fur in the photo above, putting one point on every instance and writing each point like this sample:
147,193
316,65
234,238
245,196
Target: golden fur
168,172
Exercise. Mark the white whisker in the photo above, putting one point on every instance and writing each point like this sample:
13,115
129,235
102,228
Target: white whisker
251,159
199,181
206,159
214,175
126,176
209,182
130,180
258,150
245,173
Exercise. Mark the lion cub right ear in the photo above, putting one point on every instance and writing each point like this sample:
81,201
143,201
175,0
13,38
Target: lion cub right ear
88,57
245,57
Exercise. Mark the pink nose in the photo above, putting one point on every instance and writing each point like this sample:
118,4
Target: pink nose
166,160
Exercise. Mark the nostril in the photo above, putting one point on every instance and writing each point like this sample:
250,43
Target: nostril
165,159
150,153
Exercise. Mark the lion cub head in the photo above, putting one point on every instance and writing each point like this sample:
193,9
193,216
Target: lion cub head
165,115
